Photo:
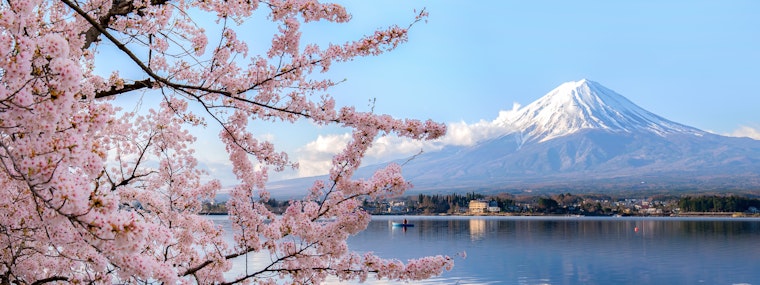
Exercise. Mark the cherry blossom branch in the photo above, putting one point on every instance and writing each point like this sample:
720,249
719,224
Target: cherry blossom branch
118,8
137,85
121,46
50,279
57,149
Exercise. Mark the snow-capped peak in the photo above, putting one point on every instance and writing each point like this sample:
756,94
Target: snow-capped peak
585,104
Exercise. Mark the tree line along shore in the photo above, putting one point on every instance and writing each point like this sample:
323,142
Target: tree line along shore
555,204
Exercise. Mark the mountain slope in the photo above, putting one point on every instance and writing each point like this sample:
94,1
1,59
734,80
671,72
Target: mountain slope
584,136
582,105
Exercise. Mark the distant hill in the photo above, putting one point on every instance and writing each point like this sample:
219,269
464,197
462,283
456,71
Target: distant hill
582,136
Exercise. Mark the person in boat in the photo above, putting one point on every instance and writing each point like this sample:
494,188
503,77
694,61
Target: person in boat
405,223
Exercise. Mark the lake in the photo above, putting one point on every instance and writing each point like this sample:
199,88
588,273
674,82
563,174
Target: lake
573,250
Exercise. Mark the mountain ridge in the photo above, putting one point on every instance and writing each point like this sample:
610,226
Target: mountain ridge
582,135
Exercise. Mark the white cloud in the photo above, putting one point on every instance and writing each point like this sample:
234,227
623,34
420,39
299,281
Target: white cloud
745,131
316,156
391,147
464,134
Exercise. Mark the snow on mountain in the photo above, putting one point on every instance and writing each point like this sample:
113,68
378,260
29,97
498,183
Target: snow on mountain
583,136
585,104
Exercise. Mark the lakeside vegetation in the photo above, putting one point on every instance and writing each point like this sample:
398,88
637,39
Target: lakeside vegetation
557,204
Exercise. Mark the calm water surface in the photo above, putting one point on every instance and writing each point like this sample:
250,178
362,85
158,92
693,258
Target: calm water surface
574,250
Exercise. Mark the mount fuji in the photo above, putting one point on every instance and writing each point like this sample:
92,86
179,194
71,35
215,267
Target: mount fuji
584,137
586,105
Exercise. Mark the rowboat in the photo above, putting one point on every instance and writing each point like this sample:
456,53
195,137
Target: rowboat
402,225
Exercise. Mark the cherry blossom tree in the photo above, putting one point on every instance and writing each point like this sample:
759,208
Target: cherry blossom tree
90,193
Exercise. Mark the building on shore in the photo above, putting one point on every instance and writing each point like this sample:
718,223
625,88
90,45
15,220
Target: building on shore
478,207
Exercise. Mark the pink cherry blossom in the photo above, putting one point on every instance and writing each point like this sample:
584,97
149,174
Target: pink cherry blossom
90,193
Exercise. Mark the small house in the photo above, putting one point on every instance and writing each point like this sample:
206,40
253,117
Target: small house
478,207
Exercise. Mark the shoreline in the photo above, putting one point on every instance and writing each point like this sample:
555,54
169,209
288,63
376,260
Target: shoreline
680,215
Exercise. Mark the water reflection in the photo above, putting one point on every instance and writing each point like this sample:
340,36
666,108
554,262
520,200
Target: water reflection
570,250
559,250
477,229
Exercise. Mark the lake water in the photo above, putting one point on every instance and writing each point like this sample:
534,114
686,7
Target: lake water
574,250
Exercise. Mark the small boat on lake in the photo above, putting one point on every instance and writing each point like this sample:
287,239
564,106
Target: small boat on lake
405,225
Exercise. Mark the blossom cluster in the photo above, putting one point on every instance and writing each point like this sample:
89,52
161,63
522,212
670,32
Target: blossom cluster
90,193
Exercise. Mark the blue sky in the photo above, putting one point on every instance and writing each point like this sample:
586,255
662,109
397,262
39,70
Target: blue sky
693,62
